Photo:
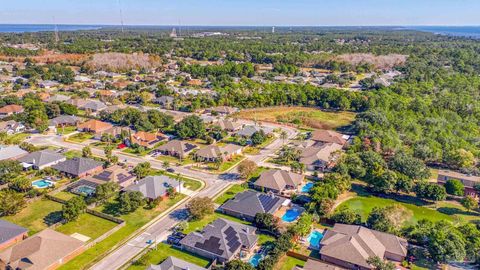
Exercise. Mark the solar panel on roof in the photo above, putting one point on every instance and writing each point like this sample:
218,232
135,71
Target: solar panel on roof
105,175
211,245
267,201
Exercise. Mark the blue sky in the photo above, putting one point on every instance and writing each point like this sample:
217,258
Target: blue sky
244,12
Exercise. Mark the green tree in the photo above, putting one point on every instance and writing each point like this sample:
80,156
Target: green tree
238,265
246,168
469,203
86,152
258,137
130,201
190,127
20,184
430,191
347,216
200,207
73,208
105,191
454,187
9,169
11,202
141,170
266,221
304,225
380,264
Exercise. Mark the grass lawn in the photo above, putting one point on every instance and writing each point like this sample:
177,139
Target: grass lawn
72,154
16,138
227,165
303,116
174,160
287,263
38,215
64,195
134,221
264,238
66,130
80,137
156,256
444,210
189,183
87,224
230,193
132,151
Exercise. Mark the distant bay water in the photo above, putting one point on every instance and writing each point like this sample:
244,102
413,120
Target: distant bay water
460,31
25,28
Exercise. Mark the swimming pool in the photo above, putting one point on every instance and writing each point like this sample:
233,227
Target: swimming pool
291,215
42,183
307,187
83,189
255,259
314,239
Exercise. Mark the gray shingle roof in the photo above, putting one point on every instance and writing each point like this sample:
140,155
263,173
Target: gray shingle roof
250,202
153,186
64,120
95,105
77,166
222,238
12,151
9,231
248,131
177,146
173,263
41,158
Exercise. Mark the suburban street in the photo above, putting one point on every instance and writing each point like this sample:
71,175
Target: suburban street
158,230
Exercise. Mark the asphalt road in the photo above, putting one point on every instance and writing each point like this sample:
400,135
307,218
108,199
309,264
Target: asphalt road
158,230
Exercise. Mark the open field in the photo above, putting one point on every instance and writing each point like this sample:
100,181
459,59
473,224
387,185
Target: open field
133,221
80,137
88,225
435,212
38,215
301,116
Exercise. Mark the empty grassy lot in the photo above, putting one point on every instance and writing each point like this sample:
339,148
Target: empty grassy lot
301,116
88,225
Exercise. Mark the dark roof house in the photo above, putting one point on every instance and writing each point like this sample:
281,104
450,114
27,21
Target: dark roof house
211,153
176,148
247,204
222,240
64,120
153,187
11,233
78,167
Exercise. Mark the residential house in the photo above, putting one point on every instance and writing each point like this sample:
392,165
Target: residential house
64,121
230,126
247,204
278,181
249,130
312,264
94,126
11,233
176,148
58,98
212,153
114,108
9,110
11,152
153,187
48,84
174,263
469,181
328,136
319,158
221,240
350,246
115,174
114,131
46,250
12,127
94,106
41,159
77,102
79,167
147,139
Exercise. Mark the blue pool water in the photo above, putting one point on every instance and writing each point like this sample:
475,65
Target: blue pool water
255,259
85,190
42,183
314,239
291,215
306,188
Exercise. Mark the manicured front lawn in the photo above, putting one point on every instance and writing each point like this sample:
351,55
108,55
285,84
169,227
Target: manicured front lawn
66,130
158,255
72,154
303,116
134,221
287,263
230,193
364,205
88,225
64,195
189,183
80,137
38,215
174,160
16,138
227,165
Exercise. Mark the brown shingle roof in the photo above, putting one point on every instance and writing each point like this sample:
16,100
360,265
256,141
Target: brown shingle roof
278,179
11,109
328,136
95,126
40,251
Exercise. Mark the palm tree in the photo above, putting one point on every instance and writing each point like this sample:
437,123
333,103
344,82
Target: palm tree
283,135
178,177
